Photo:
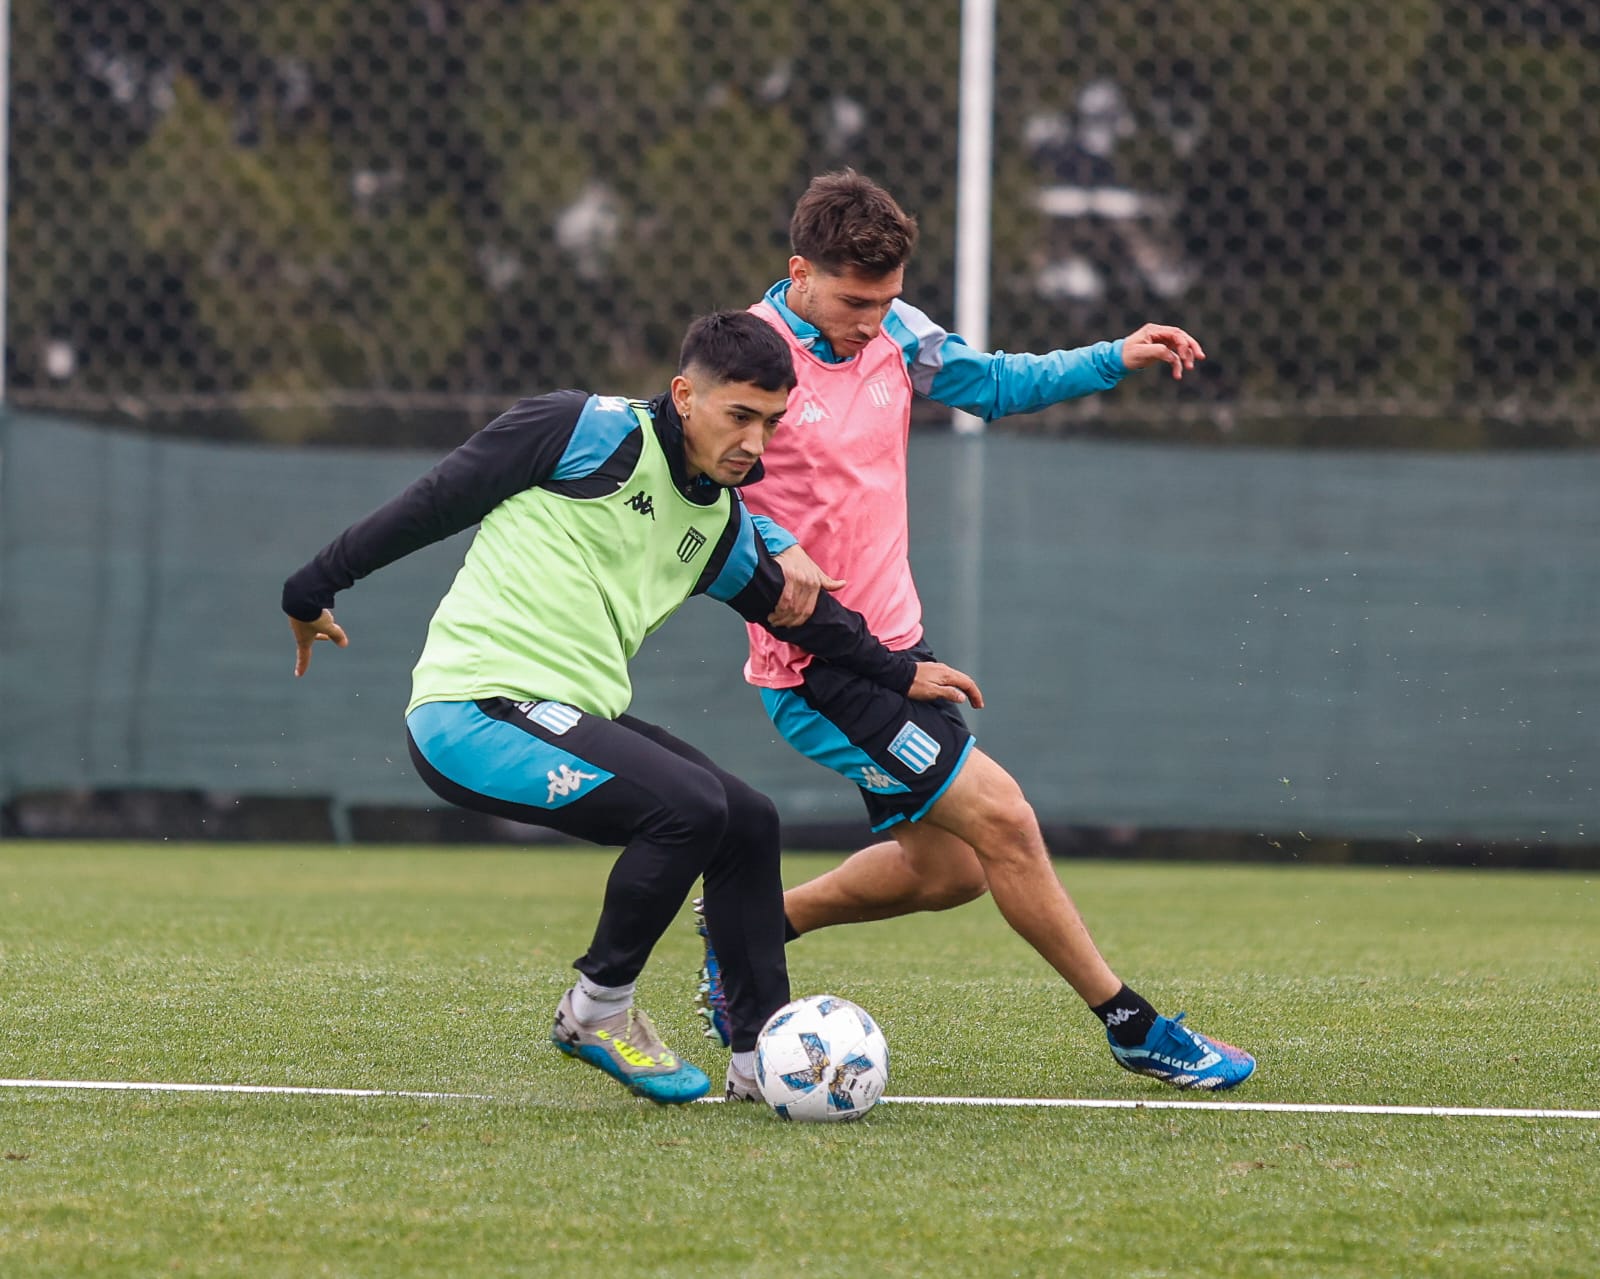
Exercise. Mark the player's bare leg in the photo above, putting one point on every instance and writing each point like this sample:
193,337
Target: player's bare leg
985,817
921,868
986,809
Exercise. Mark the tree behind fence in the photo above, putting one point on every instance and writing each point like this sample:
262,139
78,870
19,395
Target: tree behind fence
1373,207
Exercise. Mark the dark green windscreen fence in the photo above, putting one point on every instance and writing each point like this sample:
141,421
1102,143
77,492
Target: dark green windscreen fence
1336,643
254,228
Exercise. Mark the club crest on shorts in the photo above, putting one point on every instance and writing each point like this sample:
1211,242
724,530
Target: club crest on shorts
914,748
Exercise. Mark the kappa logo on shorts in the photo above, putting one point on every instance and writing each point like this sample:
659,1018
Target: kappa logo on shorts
553,717
914,748
874,778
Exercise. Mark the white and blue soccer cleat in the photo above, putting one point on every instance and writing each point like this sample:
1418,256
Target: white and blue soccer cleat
1185,1058
710,1000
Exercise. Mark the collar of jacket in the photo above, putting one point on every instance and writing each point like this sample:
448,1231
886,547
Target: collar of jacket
805,332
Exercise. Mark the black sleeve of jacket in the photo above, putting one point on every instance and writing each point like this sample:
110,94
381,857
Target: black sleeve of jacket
834,633
517,450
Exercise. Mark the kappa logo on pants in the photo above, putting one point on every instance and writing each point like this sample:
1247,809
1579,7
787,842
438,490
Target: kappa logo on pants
566,781
914,748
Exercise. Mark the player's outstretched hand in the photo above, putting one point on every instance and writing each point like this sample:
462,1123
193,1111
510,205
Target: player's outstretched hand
936,682
1161,344
803,581
308,633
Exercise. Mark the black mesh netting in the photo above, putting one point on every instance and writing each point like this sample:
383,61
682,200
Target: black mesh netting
309,203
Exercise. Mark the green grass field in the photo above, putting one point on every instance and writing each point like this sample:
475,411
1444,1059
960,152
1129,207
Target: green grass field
438,970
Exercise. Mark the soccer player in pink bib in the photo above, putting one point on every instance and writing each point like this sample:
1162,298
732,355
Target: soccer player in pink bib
955,822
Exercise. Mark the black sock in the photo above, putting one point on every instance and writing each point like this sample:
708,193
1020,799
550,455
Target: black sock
789,931
1127,1016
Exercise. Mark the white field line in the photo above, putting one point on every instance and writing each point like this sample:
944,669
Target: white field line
1076,1103
122,1086
1270,1107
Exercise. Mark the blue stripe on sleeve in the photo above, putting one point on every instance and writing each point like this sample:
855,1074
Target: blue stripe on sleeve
605,422
777,538
740,566
920,340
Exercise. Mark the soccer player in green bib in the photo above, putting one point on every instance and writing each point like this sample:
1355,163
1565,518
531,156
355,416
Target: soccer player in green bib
598,517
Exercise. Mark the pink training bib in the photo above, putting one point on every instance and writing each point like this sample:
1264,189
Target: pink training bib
836,479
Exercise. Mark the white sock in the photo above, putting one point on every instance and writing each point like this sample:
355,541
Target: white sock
744,1064
592,1003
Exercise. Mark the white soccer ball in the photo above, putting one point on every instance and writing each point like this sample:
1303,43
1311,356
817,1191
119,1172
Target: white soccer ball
821,1058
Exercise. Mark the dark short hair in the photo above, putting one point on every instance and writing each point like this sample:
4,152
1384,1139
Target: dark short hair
738,346
845,220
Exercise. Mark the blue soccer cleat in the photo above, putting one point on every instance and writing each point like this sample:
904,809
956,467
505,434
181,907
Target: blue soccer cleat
1185,1058
710,1000
628,1049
